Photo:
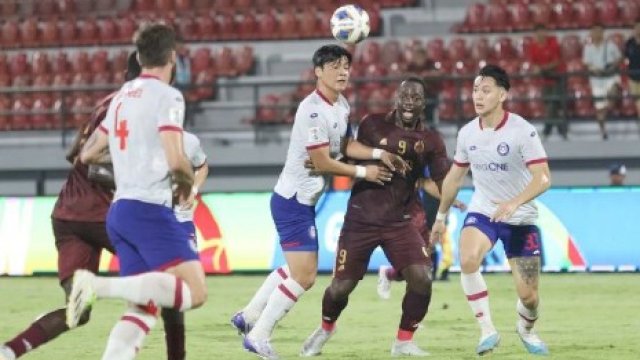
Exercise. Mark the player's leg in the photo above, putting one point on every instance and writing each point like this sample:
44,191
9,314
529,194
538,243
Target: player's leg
127,336
295,223
523,249
477,237
407,250
74,252
446,258
353,254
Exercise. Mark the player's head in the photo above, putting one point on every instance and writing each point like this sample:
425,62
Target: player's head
490,89
597,32
410,100
331,64
133,67
156,45
617,174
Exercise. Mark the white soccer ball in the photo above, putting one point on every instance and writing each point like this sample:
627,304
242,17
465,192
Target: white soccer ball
350,24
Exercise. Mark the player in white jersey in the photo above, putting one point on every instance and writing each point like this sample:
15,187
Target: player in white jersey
143,132
320,132
509,167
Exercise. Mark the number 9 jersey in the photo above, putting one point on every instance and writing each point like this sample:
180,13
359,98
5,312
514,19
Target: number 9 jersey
142,109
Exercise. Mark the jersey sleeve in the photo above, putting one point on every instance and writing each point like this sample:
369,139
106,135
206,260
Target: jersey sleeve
171,111
461,157
313,127
107,124
438,162
531,149
194,152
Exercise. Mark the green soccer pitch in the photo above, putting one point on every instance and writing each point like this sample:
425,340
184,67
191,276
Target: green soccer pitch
583,316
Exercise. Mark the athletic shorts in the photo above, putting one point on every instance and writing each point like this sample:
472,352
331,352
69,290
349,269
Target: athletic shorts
79,245
295,223
403,245
147,237
518,240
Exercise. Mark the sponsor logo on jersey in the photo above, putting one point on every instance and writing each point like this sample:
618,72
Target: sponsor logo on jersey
314,115
419,147
533,134
335,125
383,141
503,148
472,147
492,166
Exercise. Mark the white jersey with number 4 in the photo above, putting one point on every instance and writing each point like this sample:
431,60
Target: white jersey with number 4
142,109
197,158
318,123
498,159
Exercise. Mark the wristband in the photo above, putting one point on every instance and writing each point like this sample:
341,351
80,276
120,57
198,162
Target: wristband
376,154
361,172
441,216
194,190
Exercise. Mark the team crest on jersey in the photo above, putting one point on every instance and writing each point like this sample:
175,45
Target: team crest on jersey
314,115
533,134
472,147
419,147
503,148
312,232
314,134
383,141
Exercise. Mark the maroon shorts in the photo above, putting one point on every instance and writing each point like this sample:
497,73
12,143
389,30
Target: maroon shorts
79,245
402,245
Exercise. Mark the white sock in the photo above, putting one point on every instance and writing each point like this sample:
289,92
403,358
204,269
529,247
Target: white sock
280,302
253,310
126,337
527,316
156,288
475,289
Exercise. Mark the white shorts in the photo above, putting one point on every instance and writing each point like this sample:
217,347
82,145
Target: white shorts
600,87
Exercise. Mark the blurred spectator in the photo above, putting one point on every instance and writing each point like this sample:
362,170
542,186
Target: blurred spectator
420,65
602,58
544,55
632,53
617,174
183,66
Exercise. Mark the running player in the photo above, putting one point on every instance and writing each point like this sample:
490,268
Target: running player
379,215
319,132
143,133
510,169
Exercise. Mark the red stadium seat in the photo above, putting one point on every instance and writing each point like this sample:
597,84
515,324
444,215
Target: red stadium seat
29,32
119,62
8,8
466,97
88,31
183,6
19,65
247,26
475,20
99,61
267,25
226,25
586,13
144,5
325,23
80,62
10,34
288,24
41,119
448,104
391,52
164,6
45,7
609,13
40,63
107,29
379,101
5,106
503,49
50,34
521,17
126,28
201,60
582,104
628,107
481,49
436,50
308,23
564,15
69,32
4,64
205,27
80,110
458,49
244,59
517,101
537,108
498,18
5,79
225,63
571,47
542,14
629,12
21,105
207,81
60,64
65,6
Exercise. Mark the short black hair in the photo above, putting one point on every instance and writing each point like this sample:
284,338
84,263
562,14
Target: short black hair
133,67
155,43
496,73
329,53
417,80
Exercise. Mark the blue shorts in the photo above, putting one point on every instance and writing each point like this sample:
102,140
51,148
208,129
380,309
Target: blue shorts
518,240
295,223
147,237
190,228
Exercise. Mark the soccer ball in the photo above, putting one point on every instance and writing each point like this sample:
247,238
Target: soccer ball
350,24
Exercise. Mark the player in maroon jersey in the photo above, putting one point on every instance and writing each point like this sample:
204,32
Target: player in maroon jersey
379,215
78,221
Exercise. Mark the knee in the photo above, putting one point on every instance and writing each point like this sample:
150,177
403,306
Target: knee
198,296
470,263
341,289
305,278
420,283
530,299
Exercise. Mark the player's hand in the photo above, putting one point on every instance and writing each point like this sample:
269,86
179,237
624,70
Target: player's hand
395,162
504,211
459,205
189,202
378,174
308,164
181,193
437,232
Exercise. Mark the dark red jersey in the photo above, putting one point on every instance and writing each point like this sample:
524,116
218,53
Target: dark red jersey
384,205
81,199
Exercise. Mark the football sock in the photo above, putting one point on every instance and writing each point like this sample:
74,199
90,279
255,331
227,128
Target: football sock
44,329
253,310
280,302
155,288
475,289
414,309
528,316
331,310
126,337
174,334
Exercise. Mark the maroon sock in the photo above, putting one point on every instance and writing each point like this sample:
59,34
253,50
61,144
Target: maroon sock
174,334
46,328
414,309
332,308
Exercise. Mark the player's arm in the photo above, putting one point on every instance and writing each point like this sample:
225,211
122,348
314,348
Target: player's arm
178,164
358,151
540,182
325,164
96,149
431,188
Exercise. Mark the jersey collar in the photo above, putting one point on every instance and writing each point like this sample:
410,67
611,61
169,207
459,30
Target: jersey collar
148,76
500,125
324,97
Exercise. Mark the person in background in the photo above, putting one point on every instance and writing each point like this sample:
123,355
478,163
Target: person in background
617,174
632,53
